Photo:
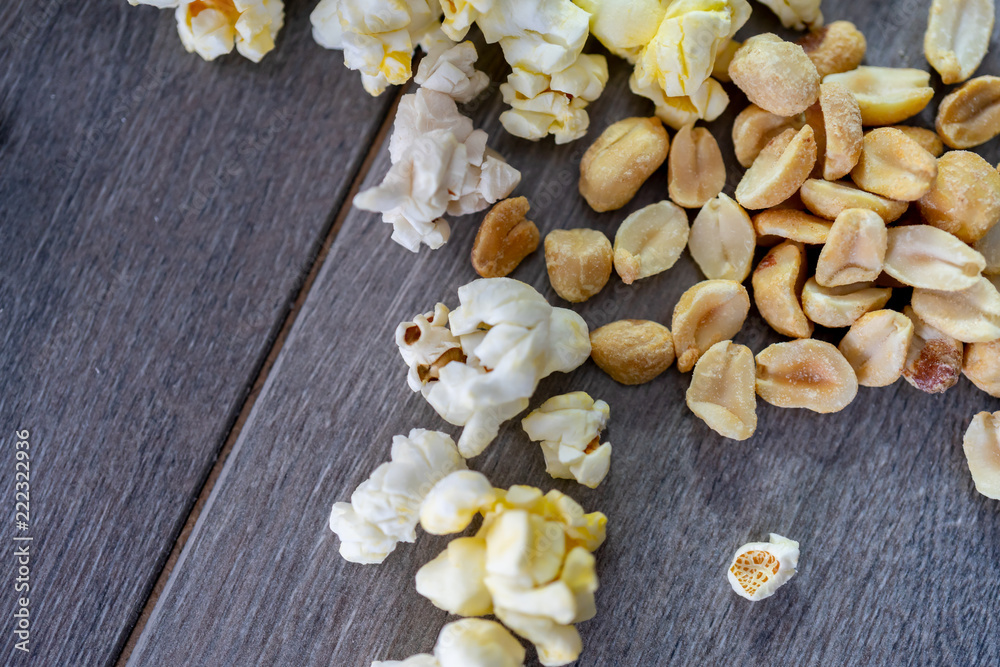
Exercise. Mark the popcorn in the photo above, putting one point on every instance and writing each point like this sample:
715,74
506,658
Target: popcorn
625,27
797,14
511,338
707,103
451,71
210,28
470,642
384,509
759,568
568,428
554,104
530,563
378,36
426,344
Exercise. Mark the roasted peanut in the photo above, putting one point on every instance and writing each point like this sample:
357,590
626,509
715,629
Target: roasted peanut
886,95
841,306
828,199
578,262
806,373
709,312
780,169
970,116
965,196
650,240
876,347
723,392
982,366
934,360
925,256
793,225
777,286
620,160
722,240
842,129
854,251
695,170
838,47
928,139
982,452
989,248
958,36
894,166
504,238
632,351
776,75
754,128
971,315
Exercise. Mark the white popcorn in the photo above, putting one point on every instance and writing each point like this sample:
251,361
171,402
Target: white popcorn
425,342
529,564
385,508
759,568
211,28
511,338
452,71
797,14
377,36
543,104
454,501
470,642
568,427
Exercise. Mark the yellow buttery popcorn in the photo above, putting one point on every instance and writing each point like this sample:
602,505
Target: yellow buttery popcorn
797,14
530,563
625,27
470,642
707,103
759,568
568,427
211,28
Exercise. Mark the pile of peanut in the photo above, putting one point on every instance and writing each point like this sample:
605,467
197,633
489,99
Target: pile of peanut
851,203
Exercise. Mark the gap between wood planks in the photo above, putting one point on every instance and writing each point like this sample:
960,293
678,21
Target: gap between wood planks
338,215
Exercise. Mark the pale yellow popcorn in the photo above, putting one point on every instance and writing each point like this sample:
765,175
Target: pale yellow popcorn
454,501
759,568
470,642
211,28
797,14
707,103
543,104
533,557
568,427
378,36
625,27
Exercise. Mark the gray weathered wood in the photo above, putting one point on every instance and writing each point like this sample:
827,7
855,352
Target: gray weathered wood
899,553
157,216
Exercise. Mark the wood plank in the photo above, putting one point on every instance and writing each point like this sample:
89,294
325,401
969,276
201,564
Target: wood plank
158,215
899,553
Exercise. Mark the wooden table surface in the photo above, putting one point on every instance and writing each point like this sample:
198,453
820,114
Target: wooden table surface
197,330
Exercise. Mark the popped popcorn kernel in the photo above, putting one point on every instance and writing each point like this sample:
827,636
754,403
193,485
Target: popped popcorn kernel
759,568
470,642
568,428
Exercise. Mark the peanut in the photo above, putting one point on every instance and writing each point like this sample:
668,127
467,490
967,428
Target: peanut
982,452
828,199
780,169
632,351
722,391
970,116
876,347
695,170
886,95
841,306
965,196
842,128
805,373
777,286
925,256
504,238
793,225
928,139
709,312
854,251
578,262
620,160
971,315
934,360
982,366
958,36
754,128
838,47
722,240
989,248
894,166
776,75
650,240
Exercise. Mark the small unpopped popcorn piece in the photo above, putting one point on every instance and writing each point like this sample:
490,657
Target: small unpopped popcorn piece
385,508
568,428
377,36
470,642
796,14
211,28
543,104
759,568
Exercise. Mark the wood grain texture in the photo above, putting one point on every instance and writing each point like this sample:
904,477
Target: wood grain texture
157,215
899,553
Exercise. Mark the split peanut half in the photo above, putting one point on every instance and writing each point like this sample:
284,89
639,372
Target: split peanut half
841,306
777,286
709,312
723,390
876,347
807,373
